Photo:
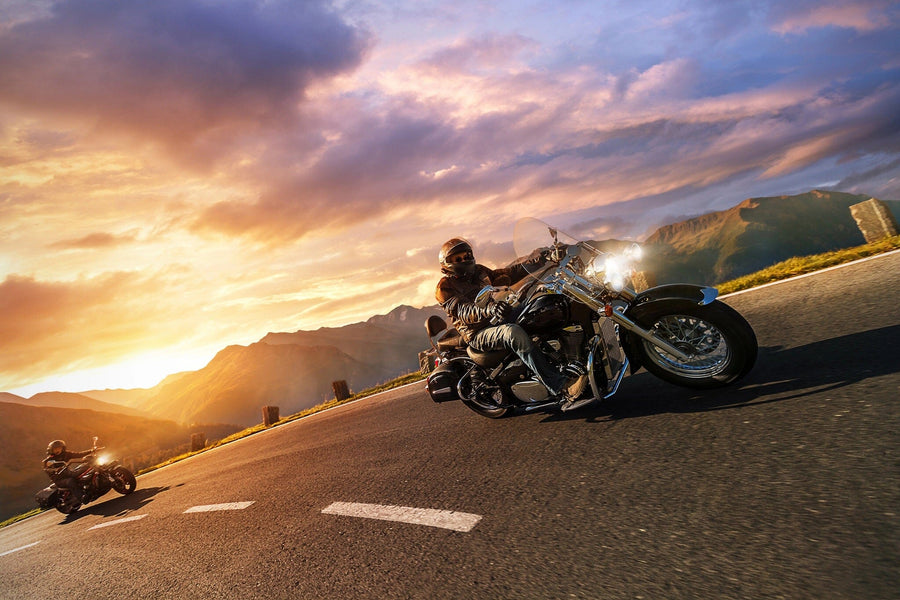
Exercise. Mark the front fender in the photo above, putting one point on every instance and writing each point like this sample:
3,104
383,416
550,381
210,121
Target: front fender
652,299
701,295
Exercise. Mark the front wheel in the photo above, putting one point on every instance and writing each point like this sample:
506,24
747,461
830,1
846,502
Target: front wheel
123,481
721,344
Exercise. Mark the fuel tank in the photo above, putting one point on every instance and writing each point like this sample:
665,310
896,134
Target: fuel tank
544,313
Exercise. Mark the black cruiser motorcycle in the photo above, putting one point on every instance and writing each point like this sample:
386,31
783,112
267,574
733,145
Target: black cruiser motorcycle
581,308
97,474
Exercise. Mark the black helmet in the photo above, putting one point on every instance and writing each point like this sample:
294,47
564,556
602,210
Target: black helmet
457,258
56,445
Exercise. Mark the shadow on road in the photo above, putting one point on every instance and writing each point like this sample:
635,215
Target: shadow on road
780,374
112,505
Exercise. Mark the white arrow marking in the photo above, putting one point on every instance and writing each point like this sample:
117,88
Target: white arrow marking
446,519
226,506
118,521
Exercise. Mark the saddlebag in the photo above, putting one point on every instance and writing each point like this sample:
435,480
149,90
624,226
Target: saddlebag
442,383
46,498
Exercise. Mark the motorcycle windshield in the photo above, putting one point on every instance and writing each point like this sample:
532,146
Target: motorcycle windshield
539,245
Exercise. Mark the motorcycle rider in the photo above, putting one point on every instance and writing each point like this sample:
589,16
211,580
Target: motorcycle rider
57,468
486,328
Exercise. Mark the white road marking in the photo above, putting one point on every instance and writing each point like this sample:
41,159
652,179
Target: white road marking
20,548
226,506
446,519
118,521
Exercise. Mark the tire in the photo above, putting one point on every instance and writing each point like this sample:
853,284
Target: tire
67,507
723,344
123,481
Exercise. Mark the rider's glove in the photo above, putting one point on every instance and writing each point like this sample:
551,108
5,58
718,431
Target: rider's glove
500,312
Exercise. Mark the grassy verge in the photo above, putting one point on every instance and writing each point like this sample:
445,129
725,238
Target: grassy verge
18,518
808,264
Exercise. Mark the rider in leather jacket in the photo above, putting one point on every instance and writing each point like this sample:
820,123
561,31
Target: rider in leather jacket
56,467
456,292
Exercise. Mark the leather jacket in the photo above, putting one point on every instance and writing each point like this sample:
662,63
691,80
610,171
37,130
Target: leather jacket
456,296
56,466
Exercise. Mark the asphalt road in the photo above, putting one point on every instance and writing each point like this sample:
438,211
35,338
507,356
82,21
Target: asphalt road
785,486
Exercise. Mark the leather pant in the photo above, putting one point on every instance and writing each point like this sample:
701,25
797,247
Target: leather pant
513,337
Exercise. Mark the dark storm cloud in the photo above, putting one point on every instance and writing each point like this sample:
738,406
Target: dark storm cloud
173,71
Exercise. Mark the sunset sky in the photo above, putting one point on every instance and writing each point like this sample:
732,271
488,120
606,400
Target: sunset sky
181,175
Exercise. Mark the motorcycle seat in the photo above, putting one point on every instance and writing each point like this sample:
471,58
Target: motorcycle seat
488,359
442,337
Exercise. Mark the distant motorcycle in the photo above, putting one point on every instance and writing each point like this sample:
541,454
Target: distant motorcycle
97,474
581,308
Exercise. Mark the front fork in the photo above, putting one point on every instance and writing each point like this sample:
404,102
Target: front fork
616,315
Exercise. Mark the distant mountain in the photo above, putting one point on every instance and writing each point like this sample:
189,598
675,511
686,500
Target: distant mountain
390,343
71,400
755,234
294,371
240,380
25,432
7,397
133,398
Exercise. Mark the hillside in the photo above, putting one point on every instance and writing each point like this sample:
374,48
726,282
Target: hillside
82,401
389,343
755,234
240,380
25,432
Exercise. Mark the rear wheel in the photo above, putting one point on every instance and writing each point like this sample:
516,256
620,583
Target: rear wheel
67,503
720,342
123,481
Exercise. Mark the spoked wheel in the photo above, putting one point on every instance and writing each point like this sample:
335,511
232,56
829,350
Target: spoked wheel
720,342
123,481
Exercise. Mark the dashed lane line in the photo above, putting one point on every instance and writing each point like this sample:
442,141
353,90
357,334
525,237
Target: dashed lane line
20,548
214,507
445,519
117,522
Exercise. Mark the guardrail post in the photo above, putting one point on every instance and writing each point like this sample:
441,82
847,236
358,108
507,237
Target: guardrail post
874,219
198,441
341,391
270,415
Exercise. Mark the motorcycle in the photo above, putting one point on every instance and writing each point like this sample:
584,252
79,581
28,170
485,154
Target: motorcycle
579,304
96,475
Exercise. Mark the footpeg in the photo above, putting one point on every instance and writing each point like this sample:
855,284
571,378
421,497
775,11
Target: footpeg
575,404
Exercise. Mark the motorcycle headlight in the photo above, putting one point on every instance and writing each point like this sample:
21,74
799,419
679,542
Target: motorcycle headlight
634,253
614,270
594,269
103,459
617,271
